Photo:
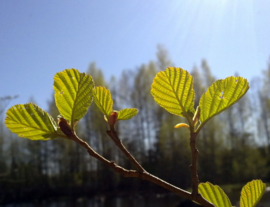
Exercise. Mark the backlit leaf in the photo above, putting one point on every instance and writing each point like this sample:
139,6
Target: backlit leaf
125,114
30,121
103,100
173,90
221,95
251,193
73,94
214,194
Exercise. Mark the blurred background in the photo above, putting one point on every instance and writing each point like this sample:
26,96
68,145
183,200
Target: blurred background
122,45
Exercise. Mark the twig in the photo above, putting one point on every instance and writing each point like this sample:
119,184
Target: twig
194,175
131,173
143,174
89,149
113,134
193,166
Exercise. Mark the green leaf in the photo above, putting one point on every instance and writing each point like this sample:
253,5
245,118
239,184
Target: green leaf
30,121
125,114
73,94
252,193
173,90
103,100
214,194
221,95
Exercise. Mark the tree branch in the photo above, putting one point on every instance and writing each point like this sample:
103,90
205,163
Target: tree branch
118,142
196,196
193,166
139,174
89,149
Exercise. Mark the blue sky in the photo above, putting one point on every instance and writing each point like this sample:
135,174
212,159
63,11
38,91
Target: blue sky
41,38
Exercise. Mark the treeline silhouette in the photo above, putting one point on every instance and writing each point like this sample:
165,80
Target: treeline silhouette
233,147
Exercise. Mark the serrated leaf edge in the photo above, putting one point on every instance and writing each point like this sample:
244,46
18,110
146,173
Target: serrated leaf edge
204,122
123,118
37,108
203,185
184,113
70,86
253,197
101,108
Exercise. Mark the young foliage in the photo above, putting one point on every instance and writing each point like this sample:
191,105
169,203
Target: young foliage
214,194
73,94
221,95
125,114
103,100
173,90
252,193
30,121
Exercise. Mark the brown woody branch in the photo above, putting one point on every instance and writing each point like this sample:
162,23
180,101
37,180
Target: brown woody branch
118,142
142,174
193,166
195,195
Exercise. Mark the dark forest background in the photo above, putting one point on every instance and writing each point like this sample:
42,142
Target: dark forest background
234,146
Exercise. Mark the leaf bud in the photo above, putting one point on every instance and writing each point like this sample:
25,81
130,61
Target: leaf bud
196,117
112,118
181,125
65,128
